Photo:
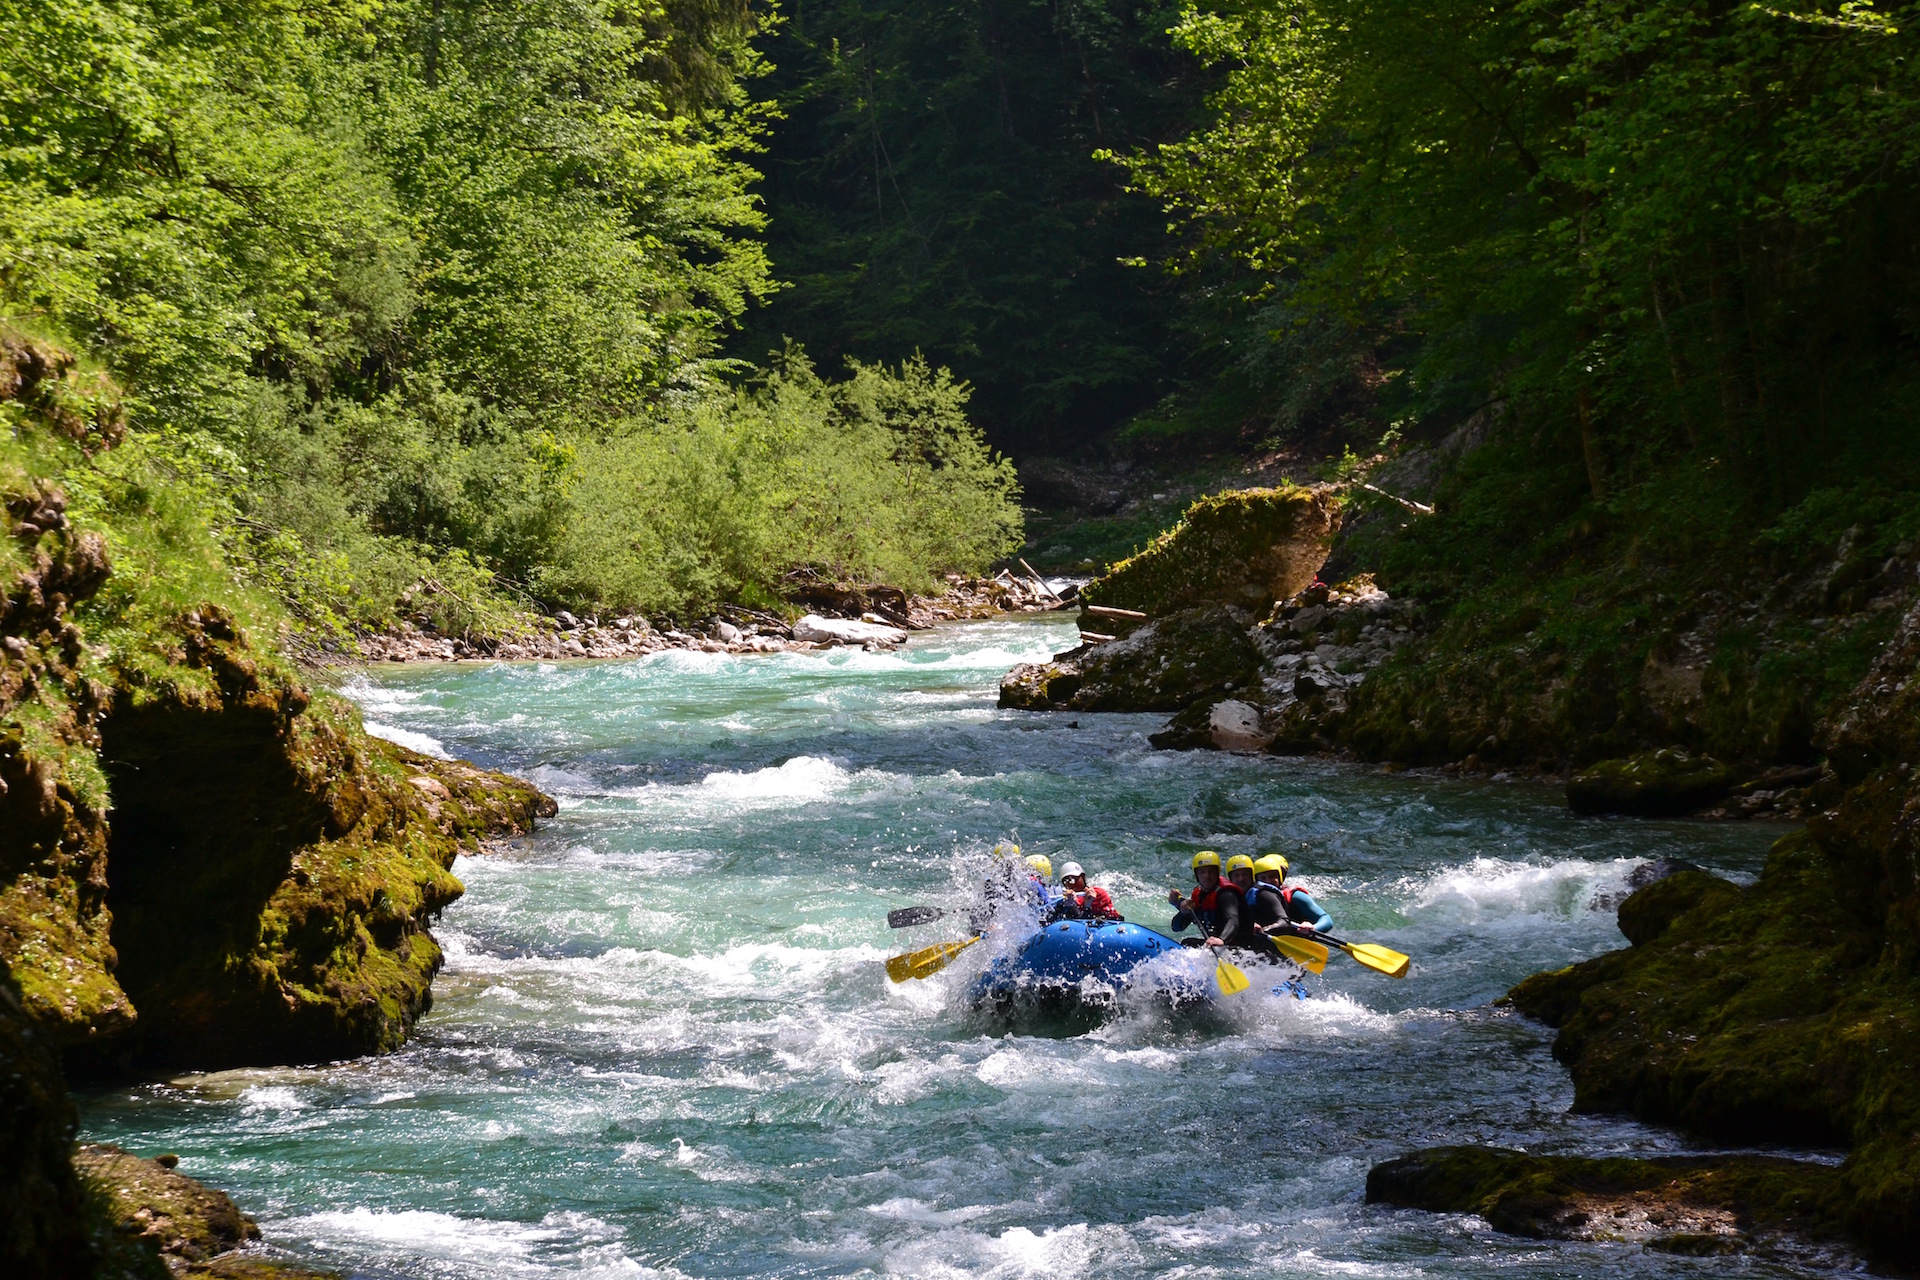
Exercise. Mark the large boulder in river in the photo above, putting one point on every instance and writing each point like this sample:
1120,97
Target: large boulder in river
1248,548
1166,665
1662,783
818,630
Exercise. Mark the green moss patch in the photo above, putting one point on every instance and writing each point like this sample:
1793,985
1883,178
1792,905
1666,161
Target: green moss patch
1247,548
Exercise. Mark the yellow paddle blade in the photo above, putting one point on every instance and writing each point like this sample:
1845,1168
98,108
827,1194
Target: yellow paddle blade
1231,981
927,961
1310,956
1384,959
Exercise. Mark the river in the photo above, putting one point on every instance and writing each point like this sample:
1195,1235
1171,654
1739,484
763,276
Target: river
664,1044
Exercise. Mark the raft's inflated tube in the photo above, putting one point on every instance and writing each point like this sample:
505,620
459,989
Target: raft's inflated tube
1057,961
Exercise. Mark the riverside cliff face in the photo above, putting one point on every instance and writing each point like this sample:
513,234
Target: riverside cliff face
1788,1010
203,863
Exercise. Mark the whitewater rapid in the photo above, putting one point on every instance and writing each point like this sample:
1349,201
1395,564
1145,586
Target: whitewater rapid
664,1043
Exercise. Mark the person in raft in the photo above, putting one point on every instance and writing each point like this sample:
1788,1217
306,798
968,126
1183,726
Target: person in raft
1213,906
1277,907
1012,881
1079,900
1040,876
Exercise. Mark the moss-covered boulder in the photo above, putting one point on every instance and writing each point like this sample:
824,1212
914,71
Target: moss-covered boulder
1654,784
201,862
176,1216
1247,548
271,868
184,1228
1685,1204
1166,665
1651,911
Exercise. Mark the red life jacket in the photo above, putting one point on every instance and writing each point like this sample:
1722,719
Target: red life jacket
1206,903
1094,902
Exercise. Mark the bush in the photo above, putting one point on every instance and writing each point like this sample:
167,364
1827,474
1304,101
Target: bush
878,478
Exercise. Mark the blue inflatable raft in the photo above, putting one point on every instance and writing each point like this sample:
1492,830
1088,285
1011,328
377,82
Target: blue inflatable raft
1079,962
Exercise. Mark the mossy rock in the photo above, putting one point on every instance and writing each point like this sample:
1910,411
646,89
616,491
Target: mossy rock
1170,663
1773,1011
1699,1205
272,869
1648,912
1247,548
1663,783
177,1216
41,1200
1040,686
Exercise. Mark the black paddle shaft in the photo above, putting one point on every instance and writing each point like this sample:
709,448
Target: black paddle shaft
907,917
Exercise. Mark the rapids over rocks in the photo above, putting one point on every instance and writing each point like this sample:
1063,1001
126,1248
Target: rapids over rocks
664,1043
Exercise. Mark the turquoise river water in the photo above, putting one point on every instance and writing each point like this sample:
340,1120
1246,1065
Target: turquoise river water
664,1043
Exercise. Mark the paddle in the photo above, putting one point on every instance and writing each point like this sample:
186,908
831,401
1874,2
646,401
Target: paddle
1371,954
1310,956
927,961
907,917
1228,977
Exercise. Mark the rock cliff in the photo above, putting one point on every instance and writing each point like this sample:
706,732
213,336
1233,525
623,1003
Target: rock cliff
1788,1010
203,862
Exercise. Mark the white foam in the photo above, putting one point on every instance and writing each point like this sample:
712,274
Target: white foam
1018,1252
273,1098
1496,890
586,1245
801,778
407,738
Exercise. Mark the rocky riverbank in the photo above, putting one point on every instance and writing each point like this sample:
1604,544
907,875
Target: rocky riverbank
881,616
204,863
1786,1011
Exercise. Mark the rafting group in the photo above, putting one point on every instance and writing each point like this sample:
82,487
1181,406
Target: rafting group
1070,931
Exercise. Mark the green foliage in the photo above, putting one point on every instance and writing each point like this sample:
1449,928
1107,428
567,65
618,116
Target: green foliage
1657,227
384,281
878,478
932,188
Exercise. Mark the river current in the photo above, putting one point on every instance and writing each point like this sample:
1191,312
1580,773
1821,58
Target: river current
664,1043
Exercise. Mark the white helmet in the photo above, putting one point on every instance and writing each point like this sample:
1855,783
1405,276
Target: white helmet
1071,869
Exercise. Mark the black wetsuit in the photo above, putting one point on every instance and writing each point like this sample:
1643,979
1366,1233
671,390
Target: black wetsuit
1219,914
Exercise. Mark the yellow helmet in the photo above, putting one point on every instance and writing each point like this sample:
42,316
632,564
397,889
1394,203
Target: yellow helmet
1272,862
1039,862
1205,858
1239,862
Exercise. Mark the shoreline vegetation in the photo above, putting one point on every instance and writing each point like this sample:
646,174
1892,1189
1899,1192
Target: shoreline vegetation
412,321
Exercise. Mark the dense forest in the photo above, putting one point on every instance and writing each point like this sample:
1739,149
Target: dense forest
934,184
451,308
419,303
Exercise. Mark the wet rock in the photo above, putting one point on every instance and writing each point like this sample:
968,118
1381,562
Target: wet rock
818,630
1233,725
180,1218
1697,1205
1649,911
1663,783
1166,665
1246,548
1789,1008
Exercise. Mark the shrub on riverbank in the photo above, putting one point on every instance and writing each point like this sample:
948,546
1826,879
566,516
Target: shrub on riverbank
879,478
423,307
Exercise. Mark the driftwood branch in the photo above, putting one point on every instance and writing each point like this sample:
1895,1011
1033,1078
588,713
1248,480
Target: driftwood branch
1418,508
